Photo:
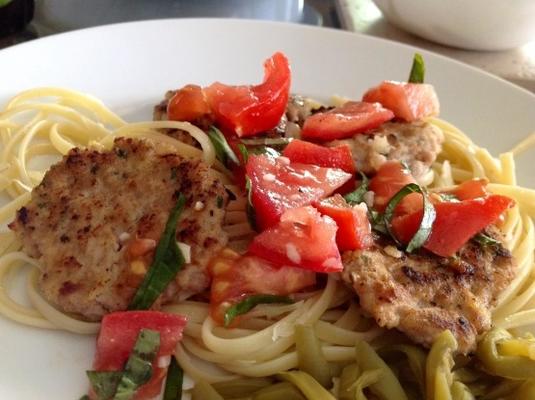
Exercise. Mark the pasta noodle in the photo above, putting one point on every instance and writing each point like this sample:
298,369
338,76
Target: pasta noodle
40,125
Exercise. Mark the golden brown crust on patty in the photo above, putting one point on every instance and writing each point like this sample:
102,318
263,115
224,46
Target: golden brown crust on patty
92,211
422,295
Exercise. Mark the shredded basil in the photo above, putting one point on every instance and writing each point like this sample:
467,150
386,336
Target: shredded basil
250,302
122,385
251,213
357,196
168,260
417,73
173,383
244,152
273,142
138,368
429,215
222,149
486,240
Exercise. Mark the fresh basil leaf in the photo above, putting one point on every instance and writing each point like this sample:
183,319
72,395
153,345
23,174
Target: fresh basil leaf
244,152
377,221
250,302
104,383
426,225
417,73
486,240
222,149
272,142
251,214
357,196
173,383
168,260
138,368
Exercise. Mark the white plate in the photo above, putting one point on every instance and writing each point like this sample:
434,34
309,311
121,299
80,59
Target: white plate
130,66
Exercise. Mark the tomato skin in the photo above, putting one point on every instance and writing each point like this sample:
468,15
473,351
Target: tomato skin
277,186
248,110
234,277
345,121
354,230
118,333
390,178
408,101
455,223
299,151
471,189
188,104
303,239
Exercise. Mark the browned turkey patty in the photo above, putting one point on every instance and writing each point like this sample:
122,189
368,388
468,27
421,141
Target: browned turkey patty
423,295
92,208
416,143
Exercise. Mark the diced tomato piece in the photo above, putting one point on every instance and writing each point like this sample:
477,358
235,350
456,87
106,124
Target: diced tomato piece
277,186
234,277
471,189
302,238
188,104
299,151
248,110
354,230
345,121
408,101
390,178
455,223
118,334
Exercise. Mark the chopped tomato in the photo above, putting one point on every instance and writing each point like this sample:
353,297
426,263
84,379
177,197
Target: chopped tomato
390,178
345,121
277,185
408,101
455,223
248,110
188,104
299,151
354,230
471,189
234,277
118,334
302,238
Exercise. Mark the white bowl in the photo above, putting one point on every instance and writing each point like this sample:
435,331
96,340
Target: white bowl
468,24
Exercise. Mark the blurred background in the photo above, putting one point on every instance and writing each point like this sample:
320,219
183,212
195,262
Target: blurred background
495,35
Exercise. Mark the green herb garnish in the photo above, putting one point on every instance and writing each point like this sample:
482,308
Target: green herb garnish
104,383
168,260
429,215
251,214
173,384
357,196
5,2
222,149
244,152
486,240
417,73
250,302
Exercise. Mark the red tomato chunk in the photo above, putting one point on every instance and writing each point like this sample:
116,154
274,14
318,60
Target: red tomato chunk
277,186
234,277
118,334
345,121
188,104
408,101
455,223
248,110
390,178
299,151
303,239
354,230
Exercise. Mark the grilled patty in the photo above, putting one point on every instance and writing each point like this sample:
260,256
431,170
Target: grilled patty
423,294
95,218
417,144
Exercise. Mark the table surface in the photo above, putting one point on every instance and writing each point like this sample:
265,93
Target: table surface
516,65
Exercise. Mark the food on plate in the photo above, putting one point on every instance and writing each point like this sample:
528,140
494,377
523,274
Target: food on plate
271,246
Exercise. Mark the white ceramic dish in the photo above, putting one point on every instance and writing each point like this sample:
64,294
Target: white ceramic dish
130,66
474,24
